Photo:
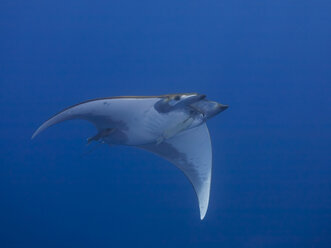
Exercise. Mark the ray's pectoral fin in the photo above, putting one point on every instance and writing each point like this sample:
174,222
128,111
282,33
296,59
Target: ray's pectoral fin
172,131
191,152
100,135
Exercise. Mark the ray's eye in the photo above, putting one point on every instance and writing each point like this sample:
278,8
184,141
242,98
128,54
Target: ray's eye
177,98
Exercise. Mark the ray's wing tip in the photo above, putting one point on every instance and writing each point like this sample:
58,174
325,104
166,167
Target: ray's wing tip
203,212
38,131
34,134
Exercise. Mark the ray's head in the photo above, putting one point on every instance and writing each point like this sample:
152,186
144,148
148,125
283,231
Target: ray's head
194,101
177,101
183,99
209,108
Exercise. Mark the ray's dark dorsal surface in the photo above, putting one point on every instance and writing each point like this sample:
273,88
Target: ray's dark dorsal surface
172,126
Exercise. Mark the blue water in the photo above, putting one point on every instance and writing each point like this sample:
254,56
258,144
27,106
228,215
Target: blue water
269,60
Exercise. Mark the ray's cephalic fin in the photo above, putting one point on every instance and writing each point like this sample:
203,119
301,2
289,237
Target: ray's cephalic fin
171,103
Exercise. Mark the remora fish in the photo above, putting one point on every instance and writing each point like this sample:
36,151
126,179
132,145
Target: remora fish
171,126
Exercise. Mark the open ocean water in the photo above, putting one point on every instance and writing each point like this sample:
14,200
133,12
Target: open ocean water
270,61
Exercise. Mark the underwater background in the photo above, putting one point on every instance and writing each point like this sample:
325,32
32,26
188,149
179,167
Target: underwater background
270,61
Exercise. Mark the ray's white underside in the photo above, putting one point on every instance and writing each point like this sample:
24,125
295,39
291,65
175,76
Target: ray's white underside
137,123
